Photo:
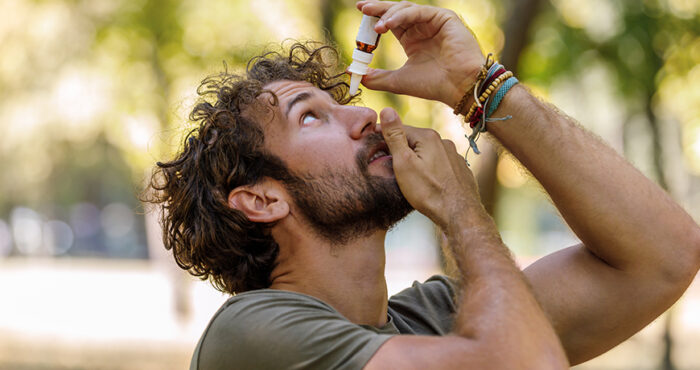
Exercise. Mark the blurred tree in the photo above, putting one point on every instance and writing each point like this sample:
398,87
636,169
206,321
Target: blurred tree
517,30
634,40
329,12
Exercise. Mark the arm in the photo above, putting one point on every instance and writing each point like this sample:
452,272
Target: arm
641,250
499,323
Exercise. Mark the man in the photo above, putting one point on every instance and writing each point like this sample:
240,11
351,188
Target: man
284,194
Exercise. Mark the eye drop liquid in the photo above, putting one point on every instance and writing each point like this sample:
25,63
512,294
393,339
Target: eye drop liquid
366,42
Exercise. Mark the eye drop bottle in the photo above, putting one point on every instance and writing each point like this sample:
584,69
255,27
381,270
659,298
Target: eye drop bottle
366,41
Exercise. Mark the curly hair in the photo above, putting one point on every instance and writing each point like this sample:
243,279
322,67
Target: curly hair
208,238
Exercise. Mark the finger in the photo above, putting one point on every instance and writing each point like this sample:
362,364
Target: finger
406,17
458,164
394,134
361,4
382,9
449,145
375,8
380,79
381,26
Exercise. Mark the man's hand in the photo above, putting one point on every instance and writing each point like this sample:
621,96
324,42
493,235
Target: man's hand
432,176
640,249
499,324
444,58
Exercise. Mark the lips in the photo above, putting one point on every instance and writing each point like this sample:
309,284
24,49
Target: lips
378,151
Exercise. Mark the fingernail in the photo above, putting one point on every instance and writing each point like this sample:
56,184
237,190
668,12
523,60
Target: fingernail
380,23
388,115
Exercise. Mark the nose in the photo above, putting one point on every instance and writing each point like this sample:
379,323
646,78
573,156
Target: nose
360,121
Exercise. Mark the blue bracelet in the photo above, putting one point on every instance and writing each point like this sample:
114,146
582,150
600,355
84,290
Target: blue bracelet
498,96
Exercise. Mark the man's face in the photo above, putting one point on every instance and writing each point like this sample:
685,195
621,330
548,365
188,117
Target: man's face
342,177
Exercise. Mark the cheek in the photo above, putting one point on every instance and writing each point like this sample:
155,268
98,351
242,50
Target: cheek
320,157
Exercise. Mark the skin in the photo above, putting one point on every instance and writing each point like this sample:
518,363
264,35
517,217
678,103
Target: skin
308,264
639,249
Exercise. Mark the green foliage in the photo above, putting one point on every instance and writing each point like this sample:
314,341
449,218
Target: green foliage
636,50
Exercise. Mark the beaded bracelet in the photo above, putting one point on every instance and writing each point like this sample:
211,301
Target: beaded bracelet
487,92
481,116
494,72
492,79
480,77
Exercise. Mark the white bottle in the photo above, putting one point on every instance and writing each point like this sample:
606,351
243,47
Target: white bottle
366,41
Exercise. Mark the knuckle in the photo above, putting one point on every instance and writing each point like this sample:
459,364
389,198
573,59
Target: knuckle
394,134
432,134
449,144
403,159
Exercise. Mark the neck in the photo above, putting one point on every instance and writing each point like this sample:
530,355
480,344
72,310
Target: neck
348,277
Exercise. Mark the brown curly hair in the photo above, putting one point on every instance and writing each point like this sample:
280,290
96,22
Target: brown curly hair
208,238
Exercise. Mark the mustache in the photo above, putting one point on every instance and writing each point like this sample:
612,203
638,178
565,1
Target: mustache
371,141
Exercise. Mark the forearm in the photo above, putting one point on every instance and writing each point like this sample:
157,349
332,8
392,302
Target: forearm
621,216
496,306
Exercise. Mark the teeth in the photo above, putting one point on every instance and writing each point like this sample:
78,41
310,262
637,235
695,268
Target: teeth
378,154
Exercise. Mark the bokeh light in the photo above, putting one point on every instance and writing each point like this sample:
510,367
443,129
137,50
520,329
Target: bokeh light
5,239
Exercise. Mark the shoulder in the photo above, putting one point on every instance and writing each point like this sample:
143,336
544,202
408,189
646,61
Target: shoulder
272,329
437,288
426,308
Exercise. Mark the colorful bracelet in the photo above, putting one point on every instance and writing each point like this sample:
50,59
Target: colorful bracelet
494,72
478,106
480,77
500,94
492,83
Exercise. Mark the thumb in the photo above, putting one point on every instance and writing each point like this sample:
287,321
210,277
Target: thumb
380,79
394,133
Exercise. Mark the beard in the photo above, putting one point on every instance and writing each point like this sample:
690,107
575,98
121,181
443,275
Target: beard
344,205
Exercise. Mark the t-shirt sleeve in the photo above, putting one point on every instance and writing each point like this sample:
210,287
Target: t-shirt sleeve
426,308
283,331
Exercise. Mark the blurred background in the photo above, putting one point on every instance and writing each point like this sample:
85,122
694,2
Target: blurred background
93,92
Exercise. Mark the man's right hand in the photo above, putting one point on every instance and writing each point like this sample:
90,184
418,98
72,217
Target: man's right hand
444,57
433,177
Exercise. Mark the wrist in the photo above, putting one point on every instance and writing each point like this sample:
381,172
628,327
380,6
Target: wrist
468,217
469,85
461,84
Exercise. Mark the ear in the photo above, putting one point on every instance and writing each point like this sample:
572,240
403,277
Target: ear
264,202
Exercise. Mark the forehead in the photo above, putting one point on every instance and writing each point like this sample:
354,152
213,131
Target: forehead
285,89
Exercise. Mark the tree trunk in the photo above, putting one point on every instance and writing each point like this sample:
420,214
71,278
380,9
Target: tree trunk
517,27
329,8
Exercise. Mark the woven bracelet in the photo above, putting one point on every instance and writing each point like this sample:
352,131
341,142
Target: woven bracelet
496,100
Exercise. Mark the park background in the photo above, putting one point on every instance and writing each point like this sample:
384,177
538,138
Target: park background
93,92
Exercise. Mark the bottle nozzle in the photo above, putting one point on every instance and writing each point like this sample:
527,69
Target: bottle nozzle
355,79
358,68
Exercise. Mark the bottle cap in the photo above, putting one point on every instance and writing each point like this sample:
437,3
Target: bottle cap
360,62
362,56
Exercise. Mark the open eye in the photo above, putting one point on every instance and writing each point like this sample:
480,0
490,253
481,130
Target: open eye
308,118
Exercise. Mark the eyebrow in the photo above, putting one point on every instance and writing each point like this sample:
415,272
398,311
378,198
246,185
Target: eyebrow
299,98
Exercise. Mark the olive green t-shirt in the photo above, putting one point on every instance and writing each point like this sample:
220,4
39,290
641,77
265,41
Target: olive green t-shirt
275,329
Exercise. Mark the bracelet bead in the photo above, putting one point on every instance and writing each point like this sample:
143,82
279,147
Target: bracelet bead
488,91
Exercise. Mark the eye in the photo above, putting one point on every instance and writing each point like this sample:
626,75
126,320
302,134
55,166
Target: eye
308,118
